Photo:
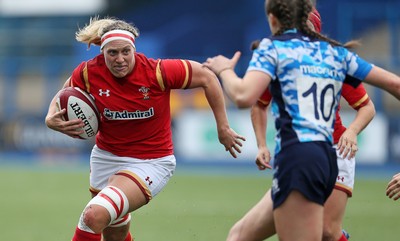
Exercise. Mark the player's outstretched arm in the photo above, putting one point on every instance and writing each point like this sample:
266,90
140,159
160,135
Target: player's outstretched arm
204,78
244,92
385,80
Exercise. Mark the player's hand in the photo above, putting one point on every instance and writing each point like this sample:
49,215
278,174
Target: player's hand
263,159
393,187
231,140
347,144
72,128
220,63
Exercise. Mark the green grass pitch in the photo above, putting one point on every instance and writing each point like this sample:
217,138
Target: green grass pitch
44,205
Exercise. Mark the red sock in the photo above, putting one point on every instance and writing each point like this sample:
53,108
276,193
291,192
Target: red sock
81,235
129,237
343,238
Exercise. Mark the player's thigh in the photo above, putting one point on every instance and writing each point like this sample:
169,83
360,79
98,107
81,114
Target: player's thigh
299,219
257,224
334,208
262,216
132,190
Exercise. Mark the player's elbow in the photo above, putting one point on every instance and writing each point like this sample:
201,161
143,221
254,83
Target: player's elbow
372,109
396,87
242,101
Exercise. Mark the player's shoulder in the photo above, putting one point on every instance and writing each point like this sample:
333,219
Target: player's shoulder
96,62
265,48
342,51
142,61
265,43
141,56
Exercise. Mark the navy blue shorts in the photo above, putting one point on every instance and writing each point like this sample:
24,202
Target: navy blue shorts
308,167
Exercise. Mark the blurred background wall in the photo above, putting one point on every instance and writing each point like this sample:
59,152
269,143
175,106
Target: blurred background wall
38,51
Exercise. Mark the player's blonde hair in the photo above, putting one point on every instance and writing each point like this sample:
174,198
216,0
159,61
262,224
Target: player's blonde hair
91,33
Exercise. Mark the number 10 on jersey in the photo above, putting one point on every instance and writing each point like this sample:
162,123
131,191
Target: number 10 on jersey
317,99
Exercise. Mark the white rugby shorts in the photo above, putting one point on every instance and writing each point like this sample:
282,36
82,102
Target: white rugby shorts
151,175
346,175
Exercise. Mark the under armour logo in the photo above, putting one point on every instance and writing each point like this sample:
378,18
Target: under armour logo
339,178
101,92
148,180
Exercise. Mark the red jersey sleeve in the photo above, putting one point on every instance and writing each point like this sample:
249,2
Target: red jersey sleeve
78,78
265,98
174,74
356,96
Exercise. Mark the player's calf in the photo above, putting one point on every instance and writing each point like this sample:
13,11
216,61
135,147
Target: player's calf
119,230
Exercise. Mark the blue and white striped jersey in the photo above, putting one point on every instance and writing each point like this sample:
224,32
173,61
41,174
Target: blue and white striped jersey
307,77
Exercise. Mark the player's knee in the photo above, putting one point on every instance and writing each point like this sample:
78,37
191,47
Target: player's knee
332,230
94,218
328,234
108,206
234,232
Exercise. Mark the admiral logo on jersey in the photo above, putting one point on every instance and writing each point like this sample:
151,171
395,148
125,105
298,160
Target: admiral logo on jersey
126,115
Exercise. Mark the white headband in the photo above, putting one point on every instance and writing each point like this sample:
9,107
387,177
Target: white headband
117,35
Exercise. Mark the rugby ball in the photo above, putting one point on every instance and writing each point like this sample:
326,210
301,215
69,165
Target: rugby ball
79,104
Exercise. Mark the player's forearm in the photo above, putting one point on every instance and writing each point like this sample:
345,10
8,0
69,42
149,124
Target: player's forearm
236,89
363,117
215,98
259,122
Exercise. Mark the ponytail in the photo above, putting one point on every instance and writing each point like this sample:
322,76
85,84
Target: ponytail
91,33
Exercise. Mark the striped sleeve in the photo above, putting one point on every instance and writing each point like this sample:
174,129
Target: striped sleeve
173,74
79,77
356,96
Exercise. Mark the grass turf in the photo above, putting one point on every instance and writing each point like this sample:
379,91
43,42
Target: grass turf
44,205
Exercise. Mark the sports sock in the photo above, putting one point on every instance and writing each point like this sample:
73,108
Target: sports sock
81,235
343,238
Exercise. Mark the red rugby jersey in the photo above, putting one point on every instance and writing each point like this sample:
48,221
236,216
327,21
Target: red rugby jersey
352,91
135,110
